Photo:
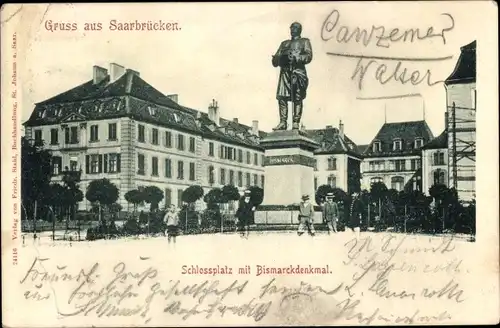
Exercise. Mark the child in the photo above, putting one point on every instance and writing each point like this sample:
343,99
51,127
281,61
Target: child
172,220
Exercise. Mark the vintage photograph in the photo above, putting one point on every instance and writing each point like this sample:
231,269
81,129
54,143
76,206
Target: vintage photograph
302,150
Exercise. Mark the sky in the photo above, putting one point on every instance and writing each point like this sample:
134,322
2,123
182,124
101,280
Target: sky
223,52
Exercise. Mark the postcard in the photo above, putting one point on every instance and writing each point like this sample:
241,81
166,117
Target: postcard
249,164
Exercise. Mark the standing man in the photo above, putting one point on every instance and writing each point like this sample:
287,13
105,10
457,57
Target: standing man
355,213
292,56
245,214
330,213
306,216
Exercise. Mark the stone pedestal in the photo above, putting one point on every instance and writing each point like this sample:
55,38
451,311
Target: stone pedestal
289,167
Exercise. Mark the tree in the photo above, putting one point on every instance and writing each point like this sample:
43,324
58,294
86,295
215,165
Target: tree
321,193
135,197
153,196
256,195
192,194
230,192
36,173
52,197
213,198
72,195
102,192
378,190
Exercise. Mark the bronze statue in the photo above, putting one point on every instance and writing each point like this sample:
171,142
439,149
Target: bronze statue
291,57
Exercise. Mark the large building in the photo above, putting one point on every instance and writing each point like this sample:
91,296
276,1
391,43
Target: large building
461,98
394,155
117,126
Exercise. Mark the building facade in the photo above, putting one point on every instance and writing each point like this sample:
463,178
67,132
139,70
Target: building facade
117,126
435,162
461,98
394,155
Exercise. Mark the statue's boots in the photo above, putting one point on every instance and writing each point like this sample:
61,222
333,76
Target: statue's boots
297,114
283,110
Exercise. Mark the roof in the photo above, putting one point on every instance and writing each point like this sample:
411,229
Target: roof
439,142
332,143
407,132
104,100
362,148
465,69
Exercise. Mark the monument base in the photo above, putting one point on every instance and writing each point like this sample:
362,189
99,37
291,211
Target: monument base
289,167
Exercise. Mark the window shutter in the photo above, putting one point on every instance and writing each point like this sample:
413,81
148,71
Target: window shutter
118,162
100,164
105,163
87,164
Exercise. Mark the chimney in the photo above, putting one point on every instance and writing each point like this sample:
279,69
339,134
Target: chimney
446,121
235,120
174,98
115,71
213,112
133,72
99,74
255,127
341,129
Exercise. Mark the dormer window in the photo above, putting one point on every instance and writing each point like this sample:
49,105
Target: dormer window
153,111
397,144
176,117
419,142
377,146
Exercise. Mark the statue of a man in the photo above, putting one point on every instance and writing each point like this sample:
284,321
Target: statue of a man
291,57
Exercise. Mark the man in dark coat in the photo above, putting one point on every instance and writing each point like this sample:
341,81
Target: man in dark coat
355,213
245,214
292,56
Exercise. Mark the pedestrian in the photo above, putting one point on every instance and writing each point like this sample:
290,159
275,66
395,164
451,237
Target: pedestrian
244,214
306,216
172,220
330,213
355,213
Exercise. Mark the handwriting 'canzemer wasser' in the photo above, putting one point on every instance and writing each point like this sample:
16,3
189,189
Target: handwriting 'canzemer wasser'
136,25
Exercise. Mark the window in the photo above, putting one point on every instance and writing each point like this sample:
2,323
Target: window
38,137
231,177
262,160
400,165
315,183
112,131
191,172
332,164
248,179
95,163
168,139
419,142
154,166
415,164
94,133
439,176
168,197
397,144
210,149
73,164
255,180
180,142
222,176
397,183
240,155
332,181
141,164
154,137
192,144
179,197
141,135
255,159
248,157
377,165
56,165
71,135
111,163
262,181
168,168
211,175
377,146
54,136
240,179
376,179
438,158
180,170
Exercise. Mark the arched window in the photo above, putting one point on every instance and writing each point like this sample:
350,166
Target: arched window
376,179
397,183
439,176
